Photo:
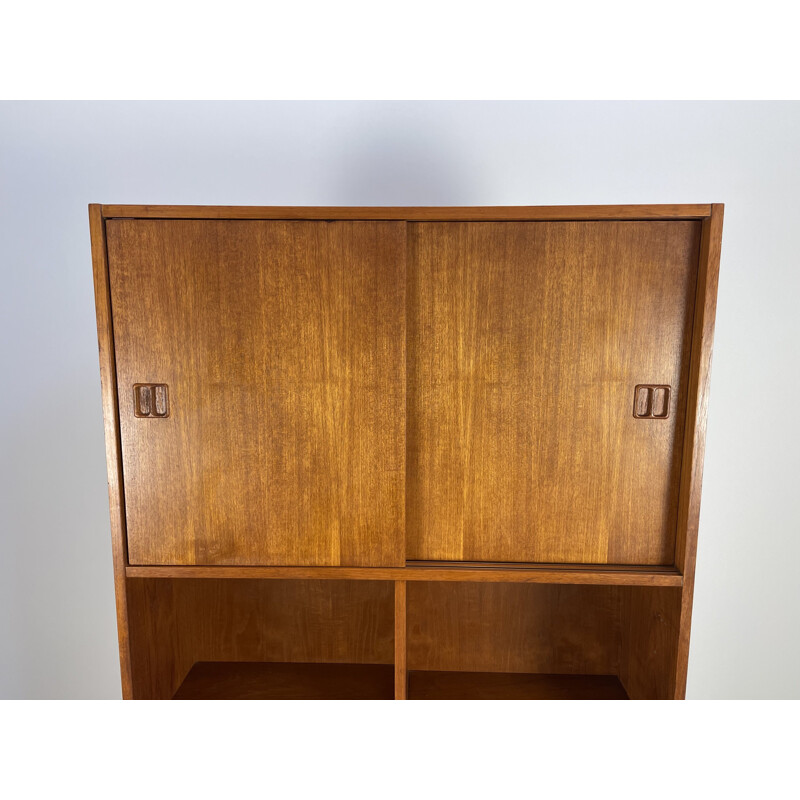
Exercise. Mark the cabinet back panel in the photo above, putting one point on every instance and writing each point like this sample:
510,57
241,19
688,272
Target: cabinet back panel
282,349
502,627
526,341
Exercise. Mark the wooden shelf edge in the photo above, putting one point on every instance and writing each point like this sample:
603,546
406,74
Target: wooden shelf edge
426,213
596,576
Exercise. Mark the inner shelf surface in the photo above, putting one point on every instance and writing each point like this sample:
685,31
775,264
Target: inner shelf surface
239,680
430,685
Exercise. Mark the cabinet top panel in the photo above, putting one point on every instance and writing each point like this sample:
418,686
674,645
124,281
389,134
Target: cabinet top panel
426,213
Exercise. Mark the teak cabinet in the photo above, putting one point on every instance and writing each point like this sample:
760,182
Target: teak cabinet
405,452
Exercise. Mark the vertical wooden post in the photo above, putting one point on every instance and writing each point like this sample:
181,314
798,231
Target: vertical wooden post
400,671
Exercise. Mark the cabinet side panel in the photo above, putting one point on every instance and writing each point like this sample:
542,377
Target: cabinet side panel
282,349
161,640
695,435
108,381
649,643
526,342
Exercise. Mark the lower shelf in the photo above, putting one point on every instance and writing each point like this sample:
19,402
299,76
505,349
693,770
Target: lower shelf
512,686
241,680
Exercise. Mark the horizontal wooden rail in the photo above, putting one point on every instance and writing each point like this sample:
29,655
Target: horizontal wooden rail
490,573
420,214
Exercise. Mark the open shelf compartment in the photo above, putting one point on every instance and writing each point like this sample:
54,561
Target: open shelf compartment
261,639
203,638
538,641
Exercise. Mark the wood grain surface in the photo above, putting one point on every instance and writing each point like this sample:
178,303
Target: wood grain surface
649,641
493,627
400,446
525,344
451,213
283,347
567,574
695,434
458,627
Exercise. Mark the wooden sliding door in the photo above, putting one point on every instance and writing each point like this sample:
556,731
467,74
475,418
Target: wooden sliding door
547,380
261,372
261,387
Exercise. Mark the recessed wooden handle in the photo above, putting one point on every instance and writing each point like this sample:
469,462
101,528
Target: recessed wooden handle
651,401
150,400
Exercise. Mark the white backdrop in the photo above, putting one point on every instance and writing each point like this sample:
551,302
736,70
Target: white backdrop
57,619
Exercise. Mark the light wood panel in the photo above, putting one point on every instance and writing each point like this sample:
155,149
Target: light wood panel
525,344
493,627
282,346
451,213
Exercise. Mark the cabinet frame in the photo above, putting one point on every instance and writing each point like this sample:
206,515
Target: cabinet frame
680,575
